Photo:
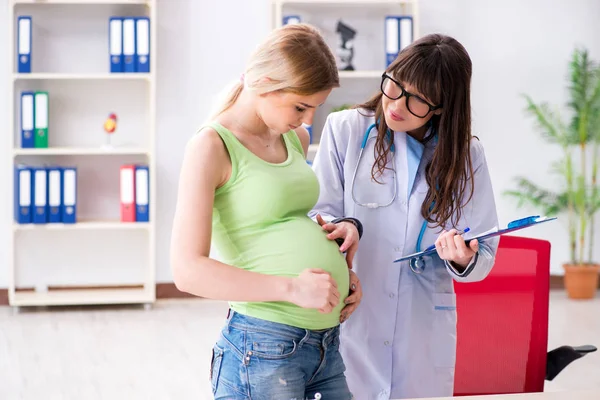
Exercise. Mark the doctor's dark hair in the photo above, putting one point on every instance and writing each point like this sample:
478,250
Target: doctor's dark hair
440,68
294,59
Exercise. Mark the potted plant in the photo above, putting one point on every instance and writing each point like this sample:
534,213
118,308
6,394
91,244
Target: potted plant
576,193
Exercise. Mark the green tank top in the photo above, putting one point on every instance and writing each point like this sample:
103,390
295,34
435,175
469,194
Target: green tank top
260,224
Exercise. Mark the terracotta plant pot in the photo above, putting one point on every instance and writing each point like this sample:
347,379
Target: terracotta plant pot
581,281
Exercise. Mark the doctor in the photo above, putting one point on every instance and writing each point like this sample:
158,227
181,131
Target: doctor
407,166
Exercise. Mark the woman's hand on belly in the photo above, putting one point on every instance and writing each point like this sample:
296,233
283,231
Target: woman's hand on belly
315,288
354,298
345,231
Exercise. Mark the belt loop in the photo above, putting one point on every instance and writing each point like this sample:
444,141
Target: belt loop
325,338
329,335
229,316
305,338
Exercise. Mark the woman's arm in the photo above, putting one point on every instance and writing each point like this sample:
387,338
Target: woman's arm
205,167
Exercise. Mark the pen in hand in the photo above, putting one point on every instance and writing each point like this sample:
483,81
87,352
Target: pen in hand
458,233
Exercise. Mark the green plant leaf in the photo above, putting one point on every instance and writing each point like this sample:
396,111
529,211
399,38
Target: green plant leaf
583,76
594,109
531,194
345,106
548,122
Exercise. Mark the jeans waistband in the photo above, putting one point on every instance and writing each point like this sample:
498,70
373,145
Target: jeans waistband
247,323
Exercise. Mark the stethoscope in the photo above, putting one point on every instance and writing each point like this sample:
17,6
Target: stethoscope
417,265
362,148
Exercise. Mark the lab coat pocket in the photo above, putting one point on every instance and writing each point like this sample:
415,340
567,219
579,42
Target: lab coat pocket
444,330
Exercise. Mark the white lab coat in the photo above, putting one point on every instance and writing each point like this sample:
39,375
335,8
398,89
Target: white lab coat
401,341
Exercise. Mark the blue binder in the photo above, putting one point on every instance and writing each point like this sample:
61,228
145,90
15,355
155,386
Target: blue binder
310,133
40,195
22,194
27,120
54,196
129,44
291,19
398,34
24,44
69,195
392,39
115,44
406,31
142,46
142,193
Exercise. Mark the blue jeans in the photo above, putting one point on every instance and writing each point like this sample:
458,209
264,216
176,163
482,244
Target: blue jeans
257,359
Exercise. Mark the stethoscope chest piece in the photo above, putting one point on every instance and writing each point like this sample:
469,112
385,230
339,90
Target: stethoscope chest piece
417,264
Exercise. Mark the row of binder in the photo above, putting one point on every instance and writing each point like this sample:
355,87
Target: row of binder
34,119
128,44
45,194
399,33
48,194
135,193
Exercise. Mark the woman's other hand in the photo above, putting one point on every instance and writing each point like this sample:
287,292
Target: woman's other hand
345,231
354,298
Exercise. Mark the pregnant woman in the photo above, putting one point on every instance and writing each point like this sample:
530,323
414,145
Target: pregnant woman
245,184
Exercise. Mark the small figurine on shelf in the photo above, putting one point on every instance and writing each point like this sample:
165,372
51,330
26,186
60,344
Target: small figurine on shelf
110,125
346,49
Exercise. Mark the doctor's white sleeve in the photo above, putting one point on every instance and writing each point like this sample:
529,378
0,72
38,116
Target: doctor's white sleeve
328,165
480,216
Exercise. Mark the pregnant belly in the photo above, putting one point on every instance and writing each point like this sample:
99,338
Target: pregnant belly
287,249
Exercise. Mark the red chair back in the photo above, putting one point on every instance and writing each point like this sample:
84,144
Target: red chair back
502,328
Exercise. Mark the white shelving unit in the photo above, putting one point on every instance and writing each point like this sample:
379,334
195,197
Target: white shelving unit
367,17
406,6
98,259
84,225
82,151
50,76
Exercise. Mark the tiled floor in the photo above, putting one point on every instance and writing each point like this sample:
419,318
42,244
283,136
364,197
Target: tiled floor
131,353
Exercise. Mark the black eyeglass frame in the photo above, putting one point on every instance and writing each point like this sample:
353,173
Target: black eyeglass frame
408,95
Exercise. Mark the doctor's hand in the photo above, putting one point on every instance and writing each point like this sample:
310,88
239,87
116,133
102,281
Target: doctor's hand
315,288
342,230
354,298
452,247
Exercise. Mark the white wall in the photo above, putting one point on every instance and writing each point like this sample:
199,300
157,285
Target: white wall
517,46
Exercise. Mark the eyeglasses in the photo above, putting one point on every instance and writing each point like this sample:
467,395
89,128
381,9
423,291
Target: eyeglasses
393,90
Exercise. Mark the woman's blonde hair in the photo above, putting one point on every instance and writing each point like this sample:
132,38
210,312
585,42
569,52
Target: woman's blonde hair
293,58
